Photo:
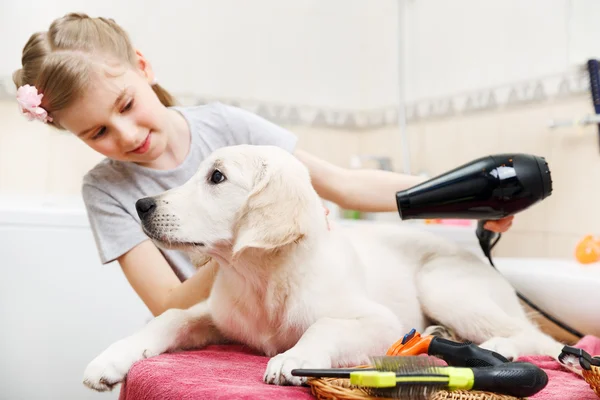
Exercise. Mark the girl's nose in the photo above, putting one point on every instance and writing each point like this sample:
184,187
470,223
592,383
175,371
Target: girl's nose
129,137
127,141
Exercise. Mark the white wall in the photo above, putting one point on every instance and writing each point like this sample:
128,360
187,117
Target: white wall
465,45
306,52
338,54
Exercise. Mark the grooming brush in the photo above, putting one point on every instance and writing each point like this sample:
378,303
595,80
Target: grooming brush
417,378
581,361
455,354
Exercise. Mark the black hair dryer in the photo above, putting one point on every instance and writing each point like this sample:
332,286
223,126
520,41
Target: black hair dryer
488,188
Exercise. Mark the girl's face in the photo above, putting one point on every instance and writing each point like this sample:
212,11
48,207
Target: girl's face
120,117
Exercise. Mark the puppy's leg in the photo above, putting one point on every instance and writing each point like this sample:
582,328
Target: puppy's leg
333,342
476,302
173,330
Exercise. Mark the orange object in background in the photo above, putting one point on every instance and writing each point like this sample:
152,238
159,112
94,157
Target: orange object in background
587,250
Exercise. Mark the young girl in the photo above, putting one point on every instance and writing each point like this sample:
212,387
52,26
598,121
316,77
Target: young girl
84,76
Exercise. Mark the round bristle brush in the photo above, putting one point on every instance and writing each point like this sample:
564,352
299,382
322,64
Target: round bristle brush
418,377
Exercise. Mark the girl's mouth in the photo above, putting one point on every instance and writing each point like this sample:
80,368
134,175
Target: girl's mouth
144,147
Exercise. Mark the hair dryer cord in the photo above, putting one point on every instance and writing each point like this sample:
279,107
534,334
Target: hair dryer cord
485,241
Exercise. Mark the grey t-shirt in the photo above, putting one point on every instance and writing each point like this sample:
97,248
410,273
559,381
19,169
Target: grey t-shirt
111,189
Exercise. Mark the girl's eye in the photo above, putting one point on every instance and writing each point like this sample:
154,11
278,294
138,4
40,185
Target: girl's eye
128,105
100,133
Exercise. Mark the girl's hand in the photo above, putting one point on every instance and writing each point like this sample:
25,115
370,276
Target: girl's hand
501,225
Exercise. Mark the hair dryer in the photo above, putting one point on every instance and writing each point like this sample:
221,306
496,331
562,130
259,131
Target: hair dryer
491,187
487,188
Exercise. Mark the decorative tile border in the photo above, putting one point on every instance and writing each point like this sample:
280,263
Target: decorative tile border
571,83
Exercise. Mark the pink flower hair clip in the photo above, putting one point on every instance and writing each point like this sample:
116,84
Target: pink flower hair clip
29,103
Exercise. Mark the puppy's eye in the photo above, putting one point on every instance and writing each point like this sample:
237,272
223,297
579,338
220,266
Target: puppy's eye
217,177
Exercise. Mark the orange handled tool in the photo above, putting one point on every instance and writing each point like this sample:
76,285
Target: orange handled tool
456,354
411,344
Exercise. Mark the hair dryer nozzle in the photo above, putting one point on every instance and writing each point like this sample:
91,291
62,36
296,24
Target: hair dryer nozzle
487,188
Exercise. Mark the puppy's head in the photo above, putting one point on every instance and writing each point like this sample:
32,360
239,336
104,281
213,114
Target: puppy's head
241,197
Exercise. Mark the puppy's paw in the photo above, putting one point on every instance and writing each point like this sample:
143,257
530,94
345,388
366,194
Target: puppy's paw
504,346
279,369
552,348
110,367
524,344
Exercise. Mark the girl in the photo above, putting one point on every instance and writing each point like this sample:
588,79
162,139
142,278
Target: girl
84,76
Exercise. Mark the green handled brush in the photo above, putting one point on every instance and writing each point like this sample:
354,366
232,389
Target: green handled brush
417,377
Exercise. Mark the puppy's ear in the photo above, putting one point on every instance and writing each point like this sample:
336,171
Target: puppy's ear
272,214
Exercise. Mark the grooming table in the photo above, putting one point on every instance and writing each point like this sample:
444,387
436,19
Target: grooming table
233,372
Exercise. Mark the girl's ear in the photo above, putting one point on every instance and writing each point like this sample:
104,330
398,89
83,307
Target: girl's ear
145,67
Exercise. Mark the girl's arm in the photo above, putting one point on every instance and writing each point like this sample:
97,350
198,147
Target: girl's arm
367,190
152,278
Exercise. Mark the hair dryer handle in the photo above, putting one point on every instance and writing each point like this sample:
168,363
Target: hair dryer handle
484,235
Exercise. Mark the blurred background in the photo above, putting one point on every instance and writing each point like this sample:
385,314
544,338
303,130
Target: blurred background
417,86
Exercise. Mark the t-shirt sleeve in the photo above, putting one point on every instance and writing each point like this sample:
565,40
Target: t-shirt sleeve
249,128
115,230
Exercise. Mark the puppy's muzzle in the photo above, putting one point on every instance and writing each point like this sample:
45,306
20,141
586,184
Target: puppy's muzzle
160,225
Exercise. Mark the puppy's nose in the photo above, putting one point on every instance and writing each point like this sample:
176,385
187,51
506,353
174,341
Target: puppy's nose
145,207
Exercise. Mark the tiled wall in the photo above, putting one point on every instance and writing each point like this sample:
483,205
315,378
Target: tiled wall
37,160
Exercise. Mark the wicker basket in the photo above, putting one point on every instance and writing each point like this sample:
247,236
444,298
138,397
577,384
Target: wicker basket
340,389
592,377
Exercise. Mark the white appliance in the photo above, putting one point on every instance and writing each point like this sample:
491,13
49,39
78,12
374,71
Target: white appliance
59,307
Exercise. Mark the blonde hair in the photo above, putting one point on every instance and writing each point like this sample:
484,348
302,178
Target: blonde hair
58,62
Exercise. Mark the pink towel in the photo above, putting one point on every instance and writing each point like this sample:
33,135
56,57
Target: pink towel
216,372
225,372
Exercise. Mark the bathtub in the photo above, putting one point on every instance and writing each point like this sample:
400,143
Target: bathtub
59,307
564,288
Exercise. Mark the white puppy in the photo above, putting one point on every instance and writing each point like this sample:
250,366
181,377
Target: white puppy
301,293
